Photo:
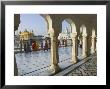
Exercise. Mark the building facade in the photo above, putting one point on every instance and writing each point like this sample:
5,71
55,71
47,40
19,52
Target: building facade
26,35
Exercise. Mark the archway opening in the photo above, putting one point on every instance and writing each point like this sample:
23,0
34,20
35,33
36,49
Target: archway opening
82,47
34,57
65,44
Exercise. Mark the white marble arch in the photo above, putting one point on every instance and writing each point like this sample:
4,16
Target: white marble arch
54,61
74,39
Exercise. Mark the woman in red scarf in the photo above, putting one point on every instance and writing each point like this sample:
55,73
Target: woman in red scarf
34,46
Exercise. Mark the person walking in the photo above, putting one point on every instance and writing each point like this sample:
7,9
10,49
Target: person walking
28,47
24,47
41,45
34,46
46,46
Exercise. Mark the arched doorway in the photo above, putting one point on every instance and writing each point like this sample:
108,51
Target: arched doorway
64,44
37,61
83,42
67,50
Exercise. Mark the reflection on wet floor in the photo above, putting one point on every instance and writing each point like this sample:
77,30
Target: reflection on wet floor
37,63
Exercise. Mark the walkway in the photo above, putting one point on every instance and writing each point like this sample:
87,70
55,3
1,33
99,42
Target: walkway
37,63
86,67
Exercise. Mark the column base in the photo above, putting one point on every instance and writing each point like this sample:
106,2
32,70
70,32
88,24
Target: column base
54,68
84,56
74,60
92,52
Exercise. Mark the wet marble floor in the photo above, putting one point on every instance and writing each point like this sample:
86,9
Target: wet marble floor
37,63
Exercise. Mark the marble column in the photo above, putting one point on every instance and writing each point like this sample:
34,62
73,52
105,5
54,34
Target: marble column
93,46
54,54
74,48
15,67
84,45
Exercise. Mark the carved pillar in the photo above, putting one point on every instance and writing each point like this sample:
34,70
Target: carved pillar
15,67
93,46
54,54
74,48
84,45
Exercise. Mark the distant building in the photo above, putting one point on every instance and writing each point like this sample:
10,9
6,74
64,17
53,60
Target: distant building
26,35
65,38
64,35
38,38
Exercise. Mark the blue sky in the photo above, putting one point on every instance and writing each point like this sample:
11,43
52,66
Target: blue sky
36,23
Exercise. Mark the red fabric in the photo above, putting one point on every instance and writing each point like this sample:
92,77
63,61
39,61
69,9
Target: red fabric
33,45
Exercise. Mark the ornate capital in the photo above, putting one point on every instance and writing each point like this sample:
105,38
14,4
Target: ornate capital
93,36
74,34
84,35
